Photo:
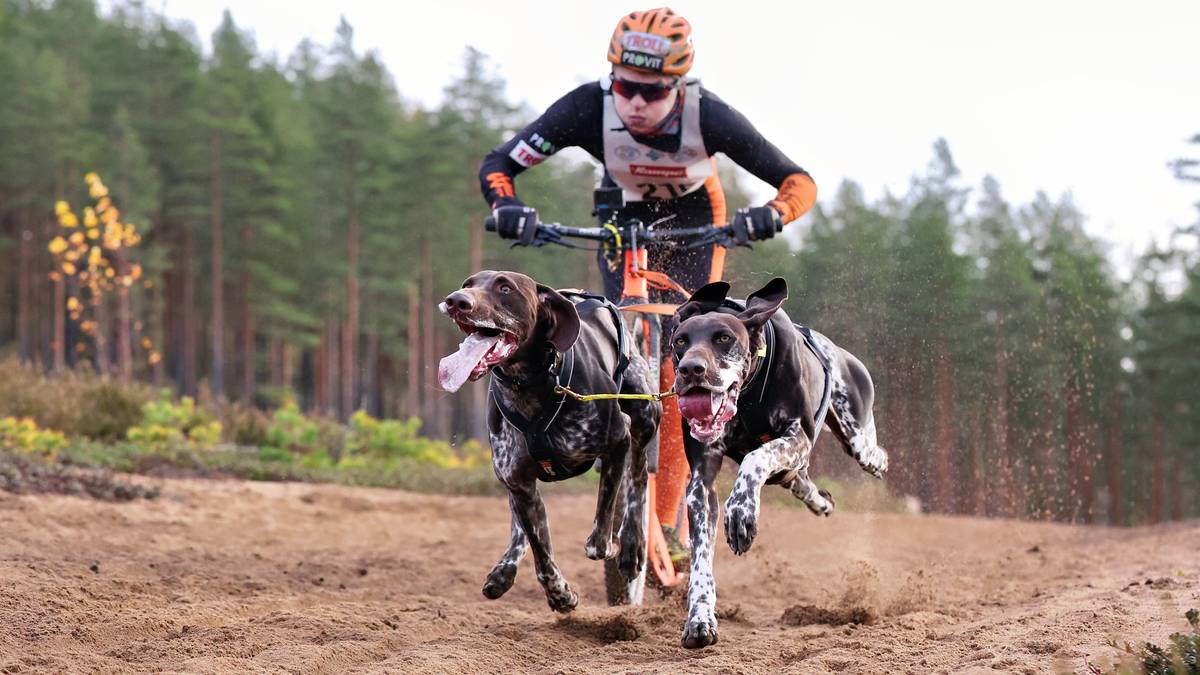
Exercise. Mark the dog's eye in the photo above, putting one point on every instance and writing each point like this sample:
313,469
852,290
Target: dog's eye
722,339
681,342
504,289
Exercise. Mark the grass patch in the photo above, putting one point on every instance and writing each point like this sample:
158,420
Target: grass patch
1181,656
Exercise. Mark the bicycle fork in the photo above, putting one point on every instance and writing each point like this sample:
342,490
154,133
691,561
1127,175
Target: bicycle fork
668,465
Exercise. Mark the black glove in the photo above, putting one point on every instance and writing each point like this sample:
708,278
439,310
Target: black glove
513,219
756,223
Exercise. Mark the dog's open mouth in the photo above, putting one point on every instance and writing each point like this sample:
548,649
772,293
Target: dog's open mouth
485,346
708,411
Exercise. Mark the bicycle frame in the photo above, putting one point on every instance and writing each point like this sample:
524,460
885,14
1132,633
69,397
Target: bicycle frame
668,483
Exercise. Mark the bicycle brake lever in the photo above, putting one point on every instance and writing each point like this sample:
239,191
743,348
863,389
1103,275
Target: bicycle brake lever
536,243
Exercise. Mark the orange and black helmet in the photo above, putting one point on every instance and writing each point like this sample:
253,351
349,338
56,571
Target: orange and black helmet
656,41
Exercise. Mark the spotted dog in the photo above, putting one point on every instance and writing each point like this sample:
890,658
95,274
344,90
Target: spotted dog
755,387
532,339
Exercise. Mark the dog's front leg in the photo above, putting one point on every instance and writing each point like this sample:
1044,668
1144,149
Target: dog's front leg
789,452
700,630
515,469
501,578
531,514
599,545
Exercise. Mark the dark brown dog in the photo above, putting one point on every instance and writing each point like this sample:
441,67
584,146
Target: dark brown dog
533,338
752,355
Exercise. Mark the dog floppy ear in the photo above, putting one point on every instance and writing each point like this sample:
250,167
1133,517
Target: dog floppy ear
559,317
708,298
763,303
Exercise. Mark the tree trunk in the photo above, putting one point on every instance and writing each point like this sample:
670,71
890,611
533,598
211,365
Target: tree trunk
946,434
319,372
124,319
102,328
1003,494
893,420
350,330
1078,469
412,394
155,299
187,380
288,360
58,343
430,411
218,269
477,417
276,362
977,490
1112,458
372,396
1157,477
1177,495
25,328
249,379
331,365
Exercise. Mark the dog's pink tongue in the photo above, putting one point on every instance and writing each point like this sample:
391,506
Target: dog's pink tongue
456,368
696,404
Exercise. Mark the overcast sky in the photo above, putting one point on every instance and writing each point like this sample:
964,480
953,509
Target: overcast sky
1087,97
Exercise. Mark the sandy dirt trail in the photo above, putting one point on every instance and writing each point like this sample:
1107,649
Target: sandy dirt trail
220,576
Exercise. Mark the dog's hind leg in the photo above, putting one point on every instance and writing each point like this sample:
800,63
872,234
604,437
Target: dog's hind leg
644,420
599,545
850,417
501,578
818,501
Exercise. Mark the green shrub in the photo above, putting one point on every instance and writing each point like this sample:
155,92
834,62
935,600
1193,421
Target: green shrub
270,454
392,439
77,403
23,435
107,410
168,426
289,430
1179,657
245,426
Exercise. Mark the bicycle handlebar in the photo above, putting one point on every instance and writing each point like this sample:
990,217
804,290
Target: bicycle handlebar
553,233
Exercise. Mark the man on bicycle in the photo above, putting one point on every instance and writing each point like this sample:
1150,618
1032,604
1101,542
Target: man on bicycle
656,133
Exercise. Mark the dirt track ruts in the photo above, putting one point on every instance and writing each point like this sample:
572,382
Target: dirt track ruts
237,576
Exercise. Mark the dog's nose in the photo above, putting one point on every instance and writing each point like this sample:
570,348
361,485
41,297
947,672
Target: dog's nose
692,368
460,301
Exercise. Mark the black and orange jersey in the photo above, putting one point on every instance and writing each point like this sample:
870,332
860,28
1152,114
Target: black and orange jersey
576,120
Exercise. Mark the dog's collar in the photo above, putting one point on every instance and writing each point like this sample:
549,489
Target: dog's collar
554,369
763,358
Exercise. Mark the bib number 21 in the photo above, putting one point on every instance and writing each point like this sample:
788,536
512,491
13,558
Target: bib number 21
663,190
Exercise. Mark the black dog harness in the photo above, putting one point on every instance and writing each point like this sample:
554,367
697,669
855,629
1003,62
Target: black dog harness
546,458
753,413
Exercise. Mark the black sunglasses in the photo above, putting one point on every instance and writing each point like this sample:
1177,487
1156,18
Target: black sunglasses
649,92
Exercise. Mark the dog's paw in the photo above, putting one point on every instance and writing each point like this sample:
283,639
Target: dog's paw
822,504
741,525
632,558
558,593
562,600
875,461
599,547
499,580
698,633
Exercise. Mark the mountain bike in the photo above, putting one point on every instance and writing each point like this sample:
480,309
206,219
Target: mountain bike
625,241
